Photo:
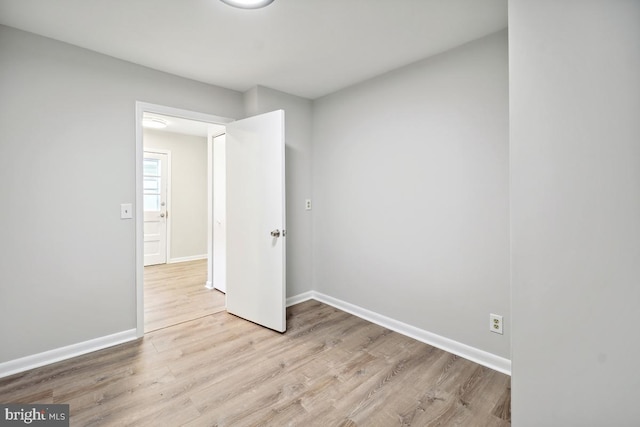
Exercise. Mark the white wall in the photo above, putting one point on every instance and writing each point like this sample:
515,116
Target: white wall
575,212
188,210
298,178
67,161
410,192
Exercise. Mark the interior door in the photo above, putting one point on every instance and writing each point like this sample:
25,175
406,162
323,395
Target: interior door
255,220
155,172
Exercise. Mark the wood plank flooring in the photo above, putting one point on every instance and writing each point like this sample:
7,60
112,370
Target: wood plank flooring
175,293
329,369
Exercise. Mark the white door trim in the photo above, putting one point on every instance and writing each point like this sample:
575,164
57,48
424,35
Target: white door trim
168,207
141,108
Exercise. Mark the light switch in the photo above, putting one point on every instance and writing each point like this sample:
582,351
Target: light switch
126,211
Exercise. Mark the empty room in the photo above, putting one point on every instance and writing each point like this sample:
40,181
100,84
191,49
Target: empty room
420,212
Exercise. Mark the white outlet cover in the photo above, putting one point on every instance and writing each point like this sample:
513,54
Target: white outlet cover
495,323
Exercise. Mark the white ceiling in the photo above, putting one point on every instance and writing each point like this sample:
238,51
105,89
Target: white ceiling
187,126
307,48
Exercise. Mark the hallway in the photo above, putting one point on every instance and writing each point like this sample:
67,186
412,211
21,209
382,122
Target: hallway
175,293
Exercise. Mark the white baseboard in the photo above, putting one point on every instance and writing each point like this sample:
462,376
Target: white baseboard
209,284
297,299
56,355
187,258
481,357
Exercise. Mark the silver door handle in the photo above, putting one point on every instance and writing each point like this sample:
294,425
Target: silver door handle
275,233
162,215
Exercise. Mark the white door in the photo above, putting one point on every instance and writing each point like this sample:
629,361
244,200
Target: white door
219,214
155,173
255,220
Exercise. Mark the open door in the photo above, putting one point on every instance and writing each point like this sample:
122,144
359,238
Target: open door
256,220
155,175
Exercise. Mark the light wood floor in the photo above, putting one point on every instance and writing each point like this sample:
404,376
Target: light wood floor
329,369
175,293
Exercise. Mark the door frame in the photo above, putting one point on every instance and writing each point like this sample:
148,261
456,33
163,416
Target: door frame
141,108
168,199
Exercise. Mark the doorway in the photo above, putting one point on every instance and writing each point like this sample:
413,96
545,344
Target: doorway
171,288
175,183
255,247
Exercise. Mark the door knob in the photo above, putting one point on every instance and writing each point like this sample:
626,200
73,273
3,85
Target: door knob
275,233
162,215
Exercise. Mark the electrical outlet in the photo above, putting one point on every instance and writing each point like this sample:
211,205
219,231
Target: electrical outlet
495,323
307,204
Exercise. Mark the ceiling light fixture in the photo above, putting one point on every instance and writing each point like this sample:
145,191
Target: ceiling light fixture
154,123
248,4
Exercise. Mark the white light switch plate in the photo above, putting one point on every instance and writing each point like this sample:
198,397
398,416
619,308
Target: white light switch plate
126,211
